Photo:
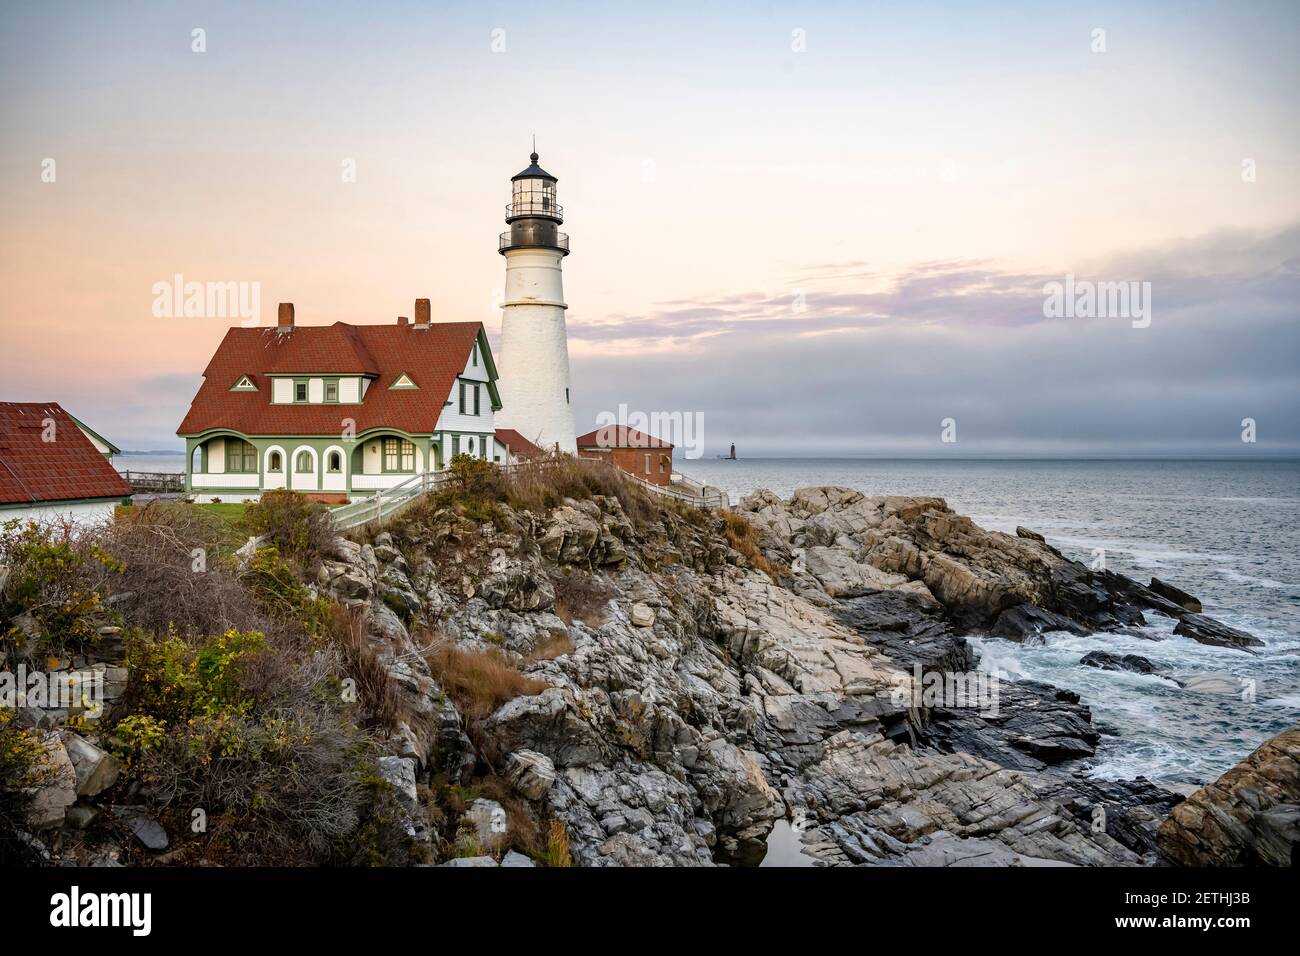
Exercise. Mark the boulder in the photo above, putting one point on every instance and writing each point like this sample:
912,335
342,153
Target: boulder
642,615
487,822
1249,816
96,769
145,828
1026,623
530,773
58,787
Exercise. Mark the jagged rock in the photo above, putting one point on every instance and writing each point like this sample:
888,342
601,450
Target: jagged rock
514,859
1026,623
58,788
1107,661
570,535
145,828
551,723
96,769
80,816
1209,631
1027,533
530,773
1249,816
843,576
399,774
1177,595
642,615
518,588
487,822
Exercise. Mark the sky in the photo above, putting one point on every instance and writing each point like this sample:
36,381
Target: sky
815,228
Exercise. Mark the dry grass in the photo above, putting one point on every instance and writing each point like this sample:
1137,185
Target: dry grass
479,681
549,648
742,536
546,484
580,596
377,692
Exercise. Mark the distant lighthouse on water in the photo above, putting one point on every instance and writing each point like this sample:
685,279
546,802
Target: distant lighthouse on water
534,367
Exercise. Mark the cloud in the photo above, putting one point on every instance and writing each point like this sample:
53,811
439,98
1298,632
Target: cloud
875,372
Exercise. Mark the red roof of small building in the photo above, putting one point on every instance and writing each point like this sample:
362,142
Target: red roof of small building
620,436
66,468
518,444
432,358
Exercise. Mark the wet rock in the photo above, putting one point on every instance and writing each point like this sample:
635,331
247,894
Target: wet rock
1209,631
1026,624
1249,816
1212,682
1107,661
1175,594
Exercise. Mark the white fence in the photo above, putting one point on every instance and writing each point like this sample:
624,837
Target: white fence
382,505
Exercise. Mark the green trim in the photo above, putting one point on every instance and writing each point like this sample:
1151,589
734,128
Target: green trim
485,352
112,449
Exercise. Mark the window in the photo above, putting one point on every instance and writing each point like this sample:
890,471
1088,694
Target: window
241,457
331,391
334,463
477,392
473,355
399,455
466,403
302,464
276,462
647,464
300,391
566,396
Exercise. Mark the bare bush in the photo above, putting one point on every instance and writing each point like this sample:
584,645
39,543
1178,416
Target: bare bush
581,596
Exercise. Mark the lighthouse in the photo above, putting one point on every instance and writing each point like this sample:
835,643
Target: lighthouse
534,368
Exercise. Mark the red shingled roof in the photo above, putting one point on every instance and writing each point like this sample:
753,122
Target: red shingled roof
620,436
518,444
68,468
432,357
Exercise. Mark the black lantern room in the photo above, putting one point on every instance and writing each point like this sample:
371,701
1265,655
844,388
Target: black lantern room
533,214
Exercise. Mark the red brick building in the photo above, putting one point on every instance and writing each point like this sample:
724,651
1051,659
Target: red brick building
635,452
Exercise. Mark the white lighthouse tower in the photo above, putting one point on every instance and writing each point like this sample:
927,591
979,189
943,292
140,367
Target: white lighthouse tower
534,367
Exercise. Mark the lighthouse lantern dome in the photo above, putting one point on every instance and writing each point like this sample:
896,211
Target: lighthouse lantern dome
533,193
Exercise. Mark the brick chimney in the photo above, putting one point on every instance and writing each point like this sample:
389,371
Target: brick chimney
286,316
422,313
403,320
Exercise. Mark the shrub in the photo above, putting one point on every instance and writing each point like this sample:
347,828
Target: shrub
553,645
300,529
57,580
176,573
23,765
377,692
284,597
255,730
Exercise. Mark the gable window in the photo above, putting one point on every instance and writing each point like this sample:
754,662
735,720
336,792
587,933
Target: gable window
469,398
241,457
399,455
302,464
300,391
334,463
473,356
331,391
276,462
245,384
403,381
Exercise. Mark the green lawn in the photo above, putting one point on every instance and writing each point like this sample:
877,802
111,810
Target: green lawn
228,513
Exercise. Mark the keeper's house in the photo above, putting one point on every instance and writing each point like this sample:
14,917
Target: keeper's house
54,468
338,412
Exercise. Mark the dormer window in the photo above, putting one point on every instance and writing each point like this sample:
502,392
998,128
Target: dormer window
403,381
245,384
300,391
331,391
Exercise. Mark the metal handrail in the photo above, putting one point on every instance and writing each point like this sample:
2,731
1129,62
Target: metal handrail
561,242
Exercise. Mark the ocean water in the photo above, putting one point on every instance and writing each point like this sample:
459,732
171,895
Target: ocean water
174,464
1227,531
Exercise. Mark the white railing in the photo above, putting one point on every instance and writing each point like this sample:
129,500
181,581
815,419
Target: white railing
711,499
384,503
